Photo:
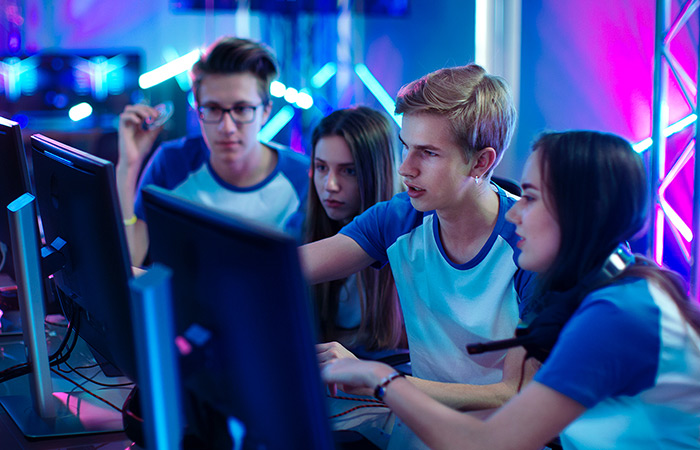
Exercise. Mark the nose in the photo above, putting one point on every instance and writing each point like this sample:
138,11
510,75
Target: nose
332,184
227,124
513,214
407,168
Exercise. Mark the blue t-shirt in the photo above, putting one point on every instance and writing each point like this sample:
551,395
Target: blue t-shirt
183,167
447,305
630,358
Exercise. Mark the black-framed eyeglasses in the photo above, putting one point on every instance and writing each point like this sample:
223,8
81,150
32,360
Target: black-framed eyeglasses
240,114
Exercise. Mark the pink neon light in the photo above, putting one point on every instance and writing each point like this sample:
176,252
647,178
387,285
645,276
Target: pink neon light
659,239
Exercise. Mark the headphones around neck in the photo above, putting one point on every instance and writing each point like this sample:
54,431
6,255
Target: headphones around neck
538,338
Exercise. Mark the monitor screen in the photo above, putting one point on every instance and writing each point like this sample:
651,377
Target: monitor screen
238,293
77,199
14,181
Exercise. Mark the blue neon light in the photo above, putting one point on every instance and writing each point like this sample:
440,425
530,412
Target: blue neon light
324,74
276,123
378,91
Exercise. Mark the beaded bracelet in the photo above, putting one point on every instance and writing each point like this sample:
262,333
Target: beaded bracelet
380,390
130,221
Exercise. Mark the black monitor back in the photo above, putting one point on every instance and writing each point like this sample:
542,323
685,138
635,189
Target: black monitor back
242,284
77,199
14,181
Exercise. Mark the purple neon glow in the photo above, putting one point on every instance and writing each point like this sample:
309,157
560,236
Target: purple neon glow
596,72
659,239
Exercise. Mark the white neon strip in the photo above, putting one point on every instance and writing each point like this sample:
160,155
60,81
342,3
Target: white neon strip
276,123
378,91
169,70
681,244
677,167
639,147
80,111
659,239
170,54
676,220
481,33
324,74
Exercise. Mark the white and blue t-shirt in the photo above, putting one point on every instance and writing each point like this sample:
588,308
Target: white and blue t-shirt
183,167
628,356
446,305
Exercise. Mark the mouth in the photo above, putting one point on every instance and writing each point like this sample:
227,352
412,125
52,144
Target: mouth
333,203
228,144
414,191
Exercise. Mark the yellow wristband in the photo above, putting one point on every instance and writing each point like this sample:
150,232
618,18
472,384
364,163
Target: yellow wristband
130,221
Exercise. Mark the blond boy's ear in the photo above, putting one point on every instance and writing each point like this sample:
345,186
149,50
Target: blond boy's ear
484,161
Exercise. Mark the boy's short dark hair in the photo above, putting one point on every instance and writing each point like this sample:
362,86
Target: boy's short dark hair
478,105
230,55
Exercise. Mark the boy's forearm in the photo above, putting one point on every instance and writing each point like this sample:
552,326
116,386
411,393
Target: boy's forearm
467,397
517,372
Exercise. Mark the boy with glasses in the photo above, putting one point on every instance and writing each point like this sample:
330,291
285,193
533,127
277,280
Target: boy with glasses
226,167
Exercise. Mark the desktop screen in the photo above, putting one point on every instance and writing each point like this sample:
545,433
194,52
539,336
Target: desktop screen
14,181
77,200
241,304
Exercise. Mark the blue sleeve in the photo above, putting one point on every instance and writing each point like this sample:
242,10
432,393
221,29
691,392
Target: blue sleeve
525,285
295,167
376,229
367,230
170,165
604,351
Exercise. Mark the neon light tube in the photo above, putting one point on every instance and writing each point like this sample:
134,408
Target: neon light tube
276,123
378,91
169,70
80,111
324,74
639,147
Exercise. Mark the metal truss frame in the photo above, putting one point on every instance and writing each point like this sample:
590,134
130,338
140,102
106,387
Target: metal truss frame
659,178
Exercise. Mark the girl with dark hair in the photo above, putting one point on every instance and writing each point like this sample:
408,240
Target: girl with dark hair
624,372
353,168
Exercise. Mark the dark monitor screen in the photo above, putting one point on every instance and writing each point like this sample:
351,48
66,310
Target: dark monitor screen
240,285
14,181
77,199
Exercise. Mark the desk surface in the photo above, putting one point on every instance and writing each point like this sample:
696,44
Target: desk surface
11,437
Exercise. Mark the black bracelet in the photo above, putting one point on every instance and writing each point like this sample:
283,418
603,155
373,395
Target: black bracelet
380,390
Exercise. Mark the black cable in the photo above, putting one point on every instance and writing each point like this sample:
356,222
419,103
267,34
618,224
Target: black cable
86,390
91,379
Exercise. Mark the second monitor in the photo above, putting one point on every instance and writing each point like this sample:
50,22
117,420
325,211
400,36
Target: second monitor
241,302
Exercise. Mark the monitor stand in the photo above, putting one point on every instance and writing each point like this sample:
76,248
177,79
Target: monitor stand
41,412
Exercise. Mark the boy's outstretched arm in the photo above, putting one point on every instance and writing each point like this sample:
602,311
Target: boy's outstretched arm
469,397
332,258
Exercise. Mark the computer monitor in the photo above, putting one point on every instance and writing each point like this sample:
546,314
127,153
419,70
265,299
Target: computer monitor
77,201
241,304
14,181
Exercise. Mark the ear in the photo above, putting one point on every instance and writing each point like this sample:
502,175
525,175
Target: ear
267,109
484,161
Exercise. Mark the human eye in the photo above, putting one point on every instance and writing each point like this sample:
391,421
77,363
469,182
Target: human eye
528,197
241,109
350,171
320,167
429,153
210,112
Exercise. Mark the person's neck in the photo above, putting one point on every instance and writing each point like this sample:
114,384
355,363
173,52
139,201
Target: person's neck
465,228
250,171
